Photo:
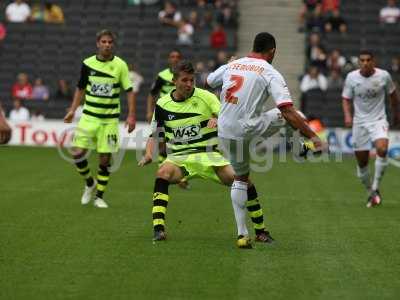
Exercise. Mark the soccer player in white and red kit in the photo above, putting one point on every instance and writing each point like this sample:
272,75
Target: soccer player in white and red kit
365,90
246,85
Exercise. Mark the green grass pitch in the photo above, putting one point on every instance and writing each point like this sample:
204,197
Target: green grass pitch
329,246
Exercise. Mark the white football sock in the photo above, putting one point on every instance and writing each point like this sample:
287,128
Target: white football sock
363,174
380,166
239,198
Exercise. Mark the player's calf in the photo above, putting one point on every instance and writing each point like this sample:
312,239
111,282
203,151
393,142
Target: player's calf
160,203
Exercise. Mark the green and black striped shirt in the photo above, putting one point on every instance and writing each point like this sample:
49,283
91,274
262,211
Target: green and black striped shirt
103,81
183,124
163,85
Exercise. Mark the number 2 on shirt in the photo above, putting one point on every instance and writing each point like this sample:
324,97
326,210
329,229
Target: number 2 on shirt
236,86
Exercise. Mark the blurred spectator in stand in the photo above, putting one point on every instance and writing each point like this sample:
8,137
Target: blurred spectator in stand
319,59
185,33
314,43
201,74
335,22
224,14
313,80
40,91
22,89
218,37
19,113
307,9
395,70
351,64
170,15
63,90
53,13
315,22
18,12
37,13
335,60
221,59
3,33
328,6
335,80
211,64
194,19
135,78
390,14
204,13
37,116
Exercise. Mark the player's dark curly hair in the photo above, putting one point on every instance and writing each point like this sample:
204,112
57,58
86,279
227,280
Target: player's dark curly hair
366,52
263,42
183,66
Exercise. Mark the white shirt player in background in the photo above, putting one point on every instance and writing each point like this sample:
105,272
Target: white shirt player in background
366,88
246,85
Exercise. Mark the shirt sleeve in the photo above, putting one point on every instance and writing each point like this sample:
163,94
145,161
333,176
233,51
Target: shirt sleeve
214,103
84,80
215,78
157,123
347,89
390,86
124,78
156,86
279,91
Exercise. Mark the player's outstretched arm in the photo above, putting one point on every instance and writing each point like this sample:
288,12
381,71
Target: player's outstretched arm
348,118
75,104
150,107
148,155
131,119
297,121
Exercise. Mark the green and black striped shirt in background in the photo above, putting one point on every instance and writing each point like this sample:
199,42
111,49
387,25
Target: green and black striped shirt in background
163,85
103,82
183,124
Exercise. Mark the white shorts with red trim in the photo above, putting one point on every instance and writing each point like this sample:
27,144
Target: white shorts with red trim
364,134
240,152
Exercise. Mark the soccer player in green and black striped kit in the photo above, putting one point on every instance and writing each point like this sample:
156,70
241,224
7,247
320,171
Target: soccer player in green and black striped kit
163,83
185,120
103,77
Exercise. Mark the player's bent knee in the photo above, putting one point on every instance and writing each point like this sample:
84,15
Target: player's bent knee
78,154
164,173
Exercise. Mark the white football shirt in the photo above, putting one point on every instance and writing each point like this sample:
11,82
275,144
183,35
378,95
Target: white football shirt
246,85
368,94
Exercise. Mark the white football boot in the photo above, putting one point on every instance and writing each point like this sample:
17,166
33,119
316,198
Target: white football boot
87,193
100,203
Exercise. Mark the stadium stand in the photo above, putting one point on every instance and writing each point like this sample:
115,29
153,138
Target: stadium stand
365,31
55,51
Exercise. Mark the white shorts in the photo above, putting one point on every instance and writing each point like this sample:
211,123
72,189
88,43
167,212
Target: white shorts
364,134
239,151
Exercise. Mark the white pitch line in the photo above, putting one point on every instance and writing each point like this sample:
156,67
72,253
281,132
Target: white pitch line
394,162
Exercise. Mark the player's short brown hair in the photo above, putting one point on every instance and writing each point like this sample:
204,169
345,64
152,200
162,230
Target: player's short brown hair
104,32
182,66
